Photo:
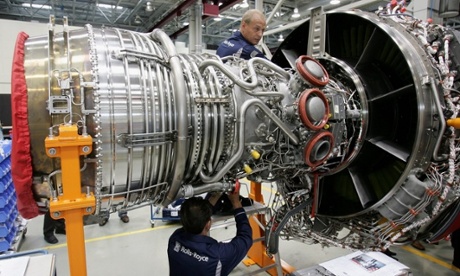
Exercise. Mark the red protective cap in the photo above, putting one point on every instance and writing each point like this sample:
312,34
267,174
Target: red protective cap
21,160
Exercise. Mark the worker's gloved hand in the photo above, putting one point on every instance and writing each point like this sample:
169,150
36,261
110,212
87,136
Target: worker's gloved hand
234,198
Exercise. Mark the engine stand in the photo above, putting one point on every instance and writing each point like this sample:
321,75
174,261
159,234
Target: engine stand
72,204
257,254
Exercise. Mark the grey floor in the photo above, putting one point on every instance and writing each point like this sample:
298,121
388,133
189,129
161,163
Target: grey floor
138,249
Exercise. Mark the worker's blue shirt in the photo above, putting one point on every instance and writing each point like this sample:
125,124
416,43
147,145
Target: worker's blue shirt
238,46
191,254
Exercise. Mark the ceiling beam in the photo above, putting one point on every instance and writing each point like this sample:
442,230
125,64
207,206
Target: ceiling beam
297,23
174,13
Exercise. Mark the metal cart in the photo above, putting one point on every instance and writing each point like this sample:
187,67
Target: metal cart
31,263
169,213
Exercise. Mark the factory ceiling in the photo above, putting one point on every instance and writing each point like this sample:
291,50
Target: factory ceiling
173,16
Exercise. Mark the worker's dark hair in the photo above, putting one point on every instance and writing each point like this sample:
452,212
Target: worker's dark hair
195,212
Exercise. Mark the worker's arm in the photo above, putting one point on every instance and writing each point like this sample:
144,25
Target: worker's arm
243,229
234,198
233,252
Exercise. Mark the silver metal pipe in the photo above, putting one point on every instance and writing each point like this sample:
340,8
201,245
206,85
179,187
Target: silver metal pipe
442,122
189,190
252,73
181,107
241,138
230,74
270,65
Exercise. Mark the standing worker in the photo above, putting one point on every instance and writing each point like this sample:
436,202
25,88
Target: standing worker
192,252
51,226
242,43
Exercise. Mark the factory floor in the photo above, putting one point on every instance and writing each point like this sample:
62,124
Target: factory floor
136,248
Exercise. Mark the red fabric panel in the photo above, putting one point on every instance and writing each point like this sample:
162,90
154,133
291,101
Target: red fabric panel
21,160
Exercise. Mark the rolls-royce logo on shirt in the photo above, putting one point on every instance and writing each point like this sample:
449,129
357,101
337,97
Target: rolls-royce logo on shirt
177,247
226,42
180,248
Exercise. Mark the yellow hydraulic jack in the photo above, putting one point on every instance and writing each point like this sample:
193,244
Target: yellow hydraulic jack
257,253
72,204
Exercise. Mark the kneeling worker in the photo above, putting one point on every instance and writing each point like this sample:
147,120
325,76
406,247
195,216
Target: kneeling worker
192,252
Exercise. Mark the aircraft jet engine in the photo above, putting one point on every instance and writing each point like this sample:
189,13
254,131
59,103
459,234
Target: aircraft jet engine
358,136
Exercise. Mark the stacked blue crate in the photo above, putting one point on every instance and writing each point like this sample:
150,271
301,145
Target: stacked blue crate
8,209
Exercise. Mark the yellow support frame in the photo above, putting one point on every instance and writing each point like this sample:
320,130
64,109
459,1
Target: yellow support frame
72,204
257,254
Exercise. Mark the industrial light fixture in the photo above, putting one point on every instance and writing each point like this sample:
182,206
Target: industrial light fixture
109,7
137,20
296,13
244,4
335,2
36,6
148,6
280,38
217,18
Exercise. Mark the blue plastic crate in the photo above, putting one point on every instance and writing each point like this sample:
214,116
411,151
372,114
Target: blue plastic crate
8,210
5,149
8,230
5,245
7,213
5,182
8,197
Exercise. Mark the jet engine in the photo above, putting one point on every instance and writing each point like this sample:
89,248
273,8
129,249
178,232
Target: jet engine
359,136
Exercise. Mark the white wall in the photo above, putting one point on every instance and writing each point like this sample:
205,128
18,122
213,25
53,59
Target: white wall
424,9
9,31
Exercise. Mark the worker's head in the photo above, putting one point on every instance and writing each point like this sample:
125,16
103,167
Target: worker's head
253,26
195,215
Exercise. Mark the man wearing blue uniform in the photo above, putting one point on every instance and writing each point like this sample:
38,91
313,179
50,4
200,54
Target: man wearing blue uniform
242,43
192,252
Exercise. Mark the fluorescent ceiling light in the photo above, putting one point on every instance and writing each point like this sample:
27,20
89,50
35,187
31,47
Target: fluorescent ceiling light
138,20
105,6
335,2
148,6
244,4
36,6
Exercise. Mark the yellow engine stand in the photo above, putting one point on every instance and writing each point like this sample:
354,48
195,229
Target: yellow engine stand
72,204
257,253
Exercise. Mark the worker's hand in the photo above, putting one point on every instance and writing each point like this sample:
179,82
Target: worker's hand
234,198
